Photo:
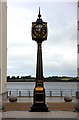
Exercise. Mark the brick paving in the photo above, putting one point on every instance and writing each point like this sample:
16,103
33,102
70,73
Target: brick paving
19,106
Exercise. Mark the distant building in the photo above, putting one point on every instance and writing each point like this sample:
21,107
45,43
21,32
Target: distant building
3,47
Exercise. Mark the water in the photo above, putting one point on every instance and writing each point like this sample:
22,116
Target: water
48,85
52,88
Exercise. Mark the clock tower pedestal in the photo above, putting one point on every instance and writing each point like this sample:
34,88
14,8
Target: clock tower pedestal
39,34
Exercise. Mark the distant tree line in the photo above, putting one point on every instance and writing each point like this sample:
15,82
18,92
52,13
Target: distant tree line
61,79
18,77
29,78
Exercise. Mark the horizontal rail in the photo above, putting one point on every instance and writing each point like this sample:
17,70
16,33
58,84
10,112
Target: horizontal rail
48,92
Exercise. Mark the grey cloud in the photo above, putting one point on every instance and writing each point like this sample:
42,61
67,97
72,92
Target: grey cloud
61,18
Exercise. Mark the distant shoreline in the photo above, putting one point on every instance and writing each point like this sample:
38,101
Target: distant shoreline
56,79
44,81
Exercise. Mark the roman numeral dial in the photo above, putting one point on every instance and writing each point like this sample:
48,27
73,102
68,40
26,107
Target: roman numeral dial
39,31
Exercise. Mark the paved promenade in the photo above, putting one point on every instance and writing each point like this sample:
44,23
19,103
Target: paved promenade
51,114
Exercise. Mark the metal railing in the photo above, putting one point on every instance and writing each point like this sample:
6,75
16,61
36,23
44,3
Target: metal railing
48,92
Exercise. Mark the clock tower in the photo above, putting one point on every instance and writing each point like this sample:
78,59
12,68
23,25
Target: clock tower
39,34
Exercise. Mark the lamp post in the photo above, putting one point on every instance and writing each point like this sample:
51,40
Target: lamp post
39,34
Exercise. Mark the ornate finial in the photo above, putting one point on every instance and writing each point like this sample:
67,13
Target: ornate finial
39,13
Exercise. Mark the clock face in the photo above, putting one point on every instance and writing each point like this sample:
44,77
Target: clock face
39,31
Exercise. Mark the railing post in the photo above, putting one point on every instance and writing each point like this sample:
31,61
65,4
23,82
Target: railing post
50,93
19,93
9,93
29,93
61,93
71,92
77,94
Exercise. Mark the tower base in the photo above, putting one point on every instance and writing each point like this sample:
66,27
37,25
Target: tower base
39,100
39,108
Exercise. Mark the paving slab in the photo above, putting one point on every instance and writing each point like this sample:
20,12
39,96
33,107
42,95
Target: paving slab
51,114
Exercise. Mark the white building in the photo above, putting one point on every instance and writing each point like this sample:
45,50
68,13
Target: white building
3,47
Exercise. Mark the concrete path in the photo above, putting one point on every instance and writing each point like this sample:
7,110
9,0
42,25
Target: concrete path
51,114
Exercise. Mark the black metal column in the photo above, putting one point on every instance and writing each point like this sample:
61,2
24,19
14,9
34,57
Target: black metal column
39,90
39,67
39,34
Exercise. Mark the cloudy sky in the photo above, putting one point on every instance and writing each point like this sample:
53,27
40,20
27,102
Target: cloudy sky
59,51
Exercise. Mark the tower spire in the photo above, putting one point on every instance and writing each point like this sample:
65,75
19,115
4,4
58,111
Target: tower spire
39,15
